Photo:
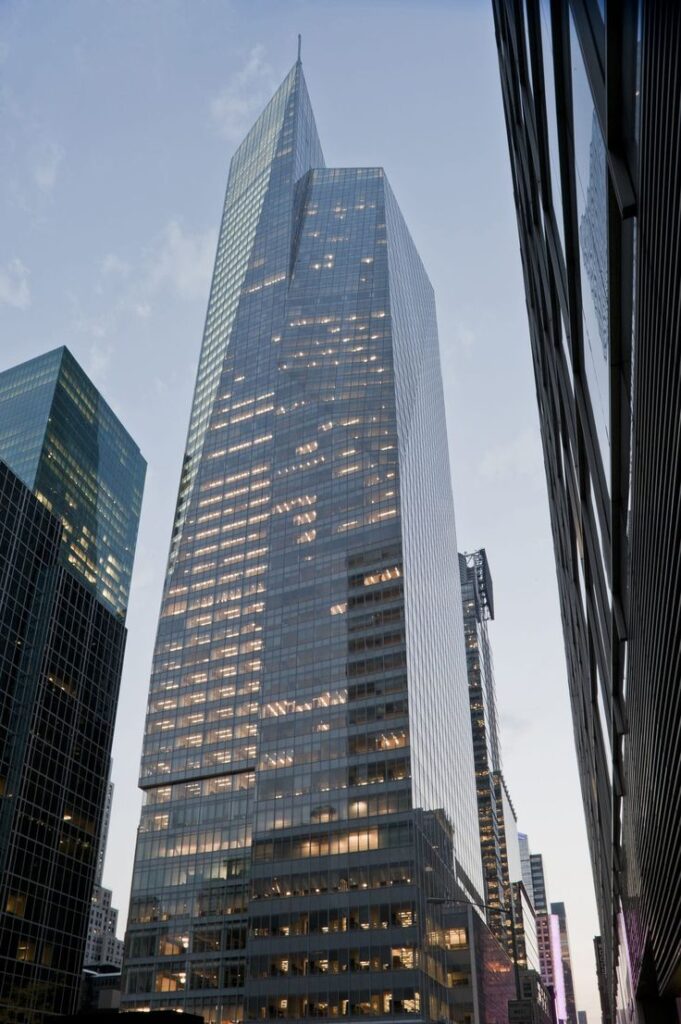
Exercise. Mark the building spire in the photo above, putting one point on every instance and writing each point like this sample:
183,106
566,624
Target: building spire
299,45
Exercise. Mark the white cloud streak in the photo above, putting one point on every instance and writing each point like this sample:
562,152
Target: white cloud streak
234,109
14,287
183,261
45,165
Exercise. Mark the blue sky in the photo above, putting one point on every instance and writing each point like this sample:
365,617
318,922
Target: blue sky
118,120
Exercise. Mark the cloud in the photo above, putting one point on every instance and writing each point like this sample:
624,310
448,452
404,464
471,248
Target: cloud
114,266
520,456
14,289
234,109
183,261
45,164
98,360
465,337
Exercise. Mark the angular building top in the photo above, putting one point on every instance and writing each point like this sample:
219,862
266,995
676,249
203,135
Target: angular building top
64,442
308,690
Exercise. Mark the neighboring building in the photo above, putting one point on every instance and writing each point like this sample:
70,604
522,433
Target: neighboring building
511,860
602,978
523,927
540,900
551,963
479,970
71,484
591,111
581,1017
104,835
526,868
308,764
478,607
102,948
534,1003
570,1002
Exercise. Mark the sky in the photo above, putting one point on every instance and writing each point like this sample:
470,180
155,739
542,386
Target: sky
118,119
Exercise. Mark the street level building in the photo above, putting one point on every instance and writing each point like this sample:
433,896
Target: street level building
591,99
308,765
71,484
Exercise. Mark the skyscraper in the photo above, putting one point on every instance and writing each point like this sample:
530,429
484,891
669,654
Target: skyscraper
307,764
70,492
539,897
103,948
570,1003
590,95
499,844
478,607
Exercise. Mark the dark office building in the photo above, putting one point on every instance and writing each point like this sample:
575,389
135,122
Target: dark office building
592,111
70,491
478,607
538,883
308,764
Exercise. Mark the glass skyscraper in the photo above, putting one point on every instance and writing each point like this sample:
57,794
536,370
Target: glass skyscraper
591,98
70,492
307,765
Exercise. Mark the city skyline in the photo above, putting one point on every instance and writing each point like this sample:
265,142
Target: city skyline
120,896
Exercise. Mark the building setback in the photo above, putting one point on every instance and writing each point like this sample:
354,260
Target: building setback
71,484
591,106
308,764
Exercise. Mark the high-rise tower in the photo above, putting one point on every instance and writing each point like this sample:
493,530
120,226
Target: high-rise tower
307,765
71,482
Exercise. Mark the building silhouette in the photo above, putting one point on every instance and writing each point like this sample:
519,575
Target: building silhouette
71,484
590,94
307,764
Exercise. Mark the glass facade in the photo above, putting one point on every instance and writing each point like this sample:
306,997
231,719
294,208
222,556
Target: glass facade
63,441
70,489
307,748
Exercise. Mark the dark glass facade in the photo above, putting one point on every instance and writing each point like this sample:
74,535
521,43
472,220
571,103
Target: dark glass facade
308,749
61,438
591,103
499,845
61,651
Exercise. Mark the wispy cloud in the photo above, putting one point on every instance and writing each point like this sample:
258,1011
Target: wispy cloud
98,359
465,336
14,287
45,163
114,266
183,261
233,109
519,456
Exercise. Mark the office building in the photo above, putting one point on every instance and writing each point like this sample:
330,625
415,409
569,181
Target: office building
551,963
477,597
534,1003
70,492
479,969
570,1002
526,870
590,93
103,948
538,883
307,764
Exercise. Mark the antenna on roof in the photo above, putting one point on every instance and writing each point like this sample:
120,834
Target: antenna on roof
299,44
